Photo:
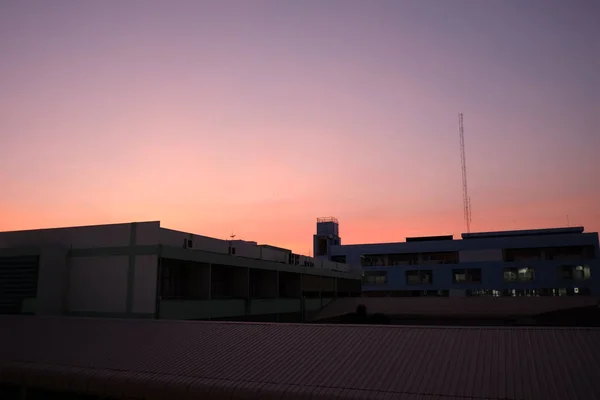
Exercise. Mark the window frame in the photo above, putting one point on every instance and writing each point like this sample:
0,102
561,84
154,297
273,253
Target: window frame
421,273
375,275
568,273
468,273
517,273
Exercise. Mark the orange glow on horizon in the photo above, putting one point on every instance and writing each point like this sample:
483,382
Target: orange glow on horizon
258,119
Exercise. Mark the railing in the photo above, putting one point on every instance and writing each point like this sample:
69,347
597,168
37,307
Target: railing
327,219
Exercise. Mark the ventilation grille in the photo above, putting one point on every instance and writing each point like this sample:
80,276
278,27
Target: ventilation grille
18,281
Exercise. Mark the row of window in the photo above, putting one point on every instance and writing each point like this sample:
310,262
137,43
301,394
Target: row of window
452,257
473,275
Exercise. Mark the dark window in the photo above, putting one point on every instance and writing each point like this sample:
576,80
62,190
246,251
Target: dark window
321,246
565,272
371,260
375,277
569,253
403,259
419,277
466,275
440,258
18,284
518,274
340,259
522,254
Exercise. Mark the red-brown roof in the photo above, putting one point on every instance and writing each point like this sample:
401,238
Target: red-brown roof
231,360
483,307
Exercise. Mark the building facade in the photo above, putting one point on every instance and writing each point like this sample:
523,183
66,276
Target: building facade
560,261
144,270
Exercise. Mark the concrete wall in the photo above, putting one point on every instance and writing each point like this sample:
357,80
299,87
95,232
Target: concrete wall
83,269
98,284
244,249
331,265
174,238
480,255
82,237
101,285
144,284
147,233
53,281
271,254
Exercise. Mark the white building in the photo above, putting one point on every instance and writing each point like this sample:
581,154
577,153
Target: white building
144,270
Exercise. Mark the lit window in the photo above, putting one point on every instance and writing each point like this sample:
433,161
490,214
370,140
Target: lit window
581,272
525,274
466,275
419,277
577,273
375,277
518,274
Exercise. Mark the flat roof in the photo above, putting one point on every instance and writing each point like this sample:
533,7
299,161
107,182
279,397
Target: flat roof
429,238
210,360
525,232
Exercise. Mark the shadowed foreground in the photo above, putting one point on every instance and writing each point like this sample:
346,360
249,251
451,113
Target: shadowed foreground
146,359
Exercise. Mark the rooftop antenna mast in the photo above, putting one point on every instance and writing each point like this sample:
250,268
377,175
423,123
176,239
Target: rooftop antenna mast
463,162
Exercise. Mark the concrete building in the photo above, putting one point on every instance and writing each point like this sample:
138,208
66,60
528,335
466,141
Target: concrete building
144,270
561,261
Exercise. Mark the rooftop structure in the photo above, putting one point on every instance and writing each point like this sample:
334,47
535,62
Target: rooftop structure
145,359
559,261
144,270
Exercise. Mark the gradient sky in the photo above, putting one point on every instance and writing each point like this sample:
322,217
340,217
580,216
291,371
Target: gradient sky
258,116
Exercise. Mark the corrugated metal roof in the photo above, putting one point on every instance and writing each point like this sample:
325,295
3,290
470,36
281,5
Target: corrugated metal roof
217,360
457,306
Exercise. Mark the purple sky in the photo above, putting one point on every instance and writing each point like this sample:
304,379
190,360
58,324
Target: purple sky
259,116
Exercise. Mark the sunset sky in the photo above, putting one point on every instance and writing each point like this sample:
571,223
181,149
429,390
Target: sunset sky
256,117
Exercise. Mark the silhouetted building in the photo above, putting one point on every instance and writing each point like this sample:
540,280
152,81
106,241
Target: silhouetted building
144,270
553,262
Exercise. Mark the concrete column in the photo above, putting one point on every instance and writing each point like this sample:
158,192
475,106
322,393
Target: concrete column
321,290
248,295
209,281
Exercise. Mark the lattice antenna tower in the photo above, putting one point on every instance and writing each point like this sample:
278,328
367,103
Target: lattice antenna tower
463,164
